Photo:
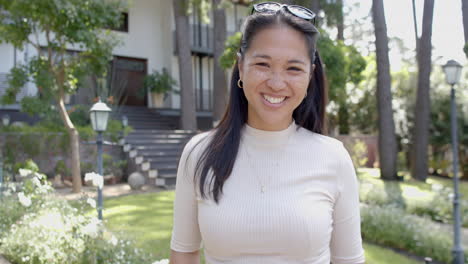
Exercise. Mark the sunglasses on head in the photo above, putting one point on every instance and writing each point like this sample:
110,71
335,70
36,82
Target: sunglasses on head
296,10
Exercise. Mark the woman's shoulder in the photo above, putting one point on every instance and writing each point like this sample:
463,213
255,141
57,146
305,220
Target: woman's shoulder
308,136
199,141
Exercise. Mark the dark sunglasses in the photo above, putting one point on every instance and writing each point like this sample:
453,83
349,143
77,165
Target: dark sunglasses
296,10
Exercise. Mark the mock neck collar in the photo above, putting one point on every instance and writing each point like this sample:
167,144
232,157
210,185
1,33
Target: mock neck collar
262,137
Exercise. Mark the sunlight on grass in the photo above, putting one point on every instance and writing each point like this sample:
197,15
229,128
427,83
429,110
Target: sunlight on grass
380,255
410,188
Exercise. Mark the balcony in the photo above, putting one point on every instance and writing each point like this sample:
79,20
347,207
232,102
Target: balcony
201,40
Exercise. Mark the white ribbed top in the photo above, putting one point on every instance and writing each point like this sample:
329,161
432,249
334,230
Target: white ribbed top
309,212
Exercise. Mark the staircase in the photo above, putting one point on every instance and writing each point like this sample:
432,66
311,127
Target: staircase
155,145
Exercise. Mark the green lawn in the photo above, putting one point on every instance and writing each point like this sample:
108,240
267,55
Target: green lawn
410,186
147,218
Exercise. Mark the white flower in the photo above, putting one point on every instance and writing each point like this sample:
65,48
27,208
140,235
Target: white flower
91,202
24,200
25,172
92,228
162,261
97,179
36,181
114,241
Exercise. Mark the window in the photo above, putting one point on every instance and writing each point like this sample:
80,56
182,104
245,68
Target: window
124,23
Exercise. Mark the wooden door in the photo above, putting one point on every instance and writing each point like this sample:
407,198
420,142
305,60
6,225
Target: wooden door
129,74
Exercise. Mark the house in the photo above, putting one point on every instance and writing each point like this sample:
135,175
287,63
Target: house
148,43
148,35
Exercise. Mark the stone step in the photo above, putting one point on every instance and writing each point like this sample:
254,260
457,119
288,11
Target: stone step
168,183
156,141
157,146
167,172
172,131
162,160
163,167
155,152
158,136
154,155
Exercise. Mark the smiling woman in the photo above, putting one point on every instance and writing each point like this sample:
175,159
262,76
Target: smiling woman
265,185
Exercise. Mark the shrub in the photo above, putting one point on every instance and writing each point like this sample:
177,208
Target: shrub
38,227
391,226
437,204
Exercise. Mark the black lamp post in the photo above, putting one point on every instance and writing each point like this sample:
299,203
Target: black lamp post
452,71
5,122
99,114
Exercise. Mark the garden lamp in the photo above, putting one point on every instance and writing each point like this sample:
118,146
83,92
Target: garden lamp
452,70
99,114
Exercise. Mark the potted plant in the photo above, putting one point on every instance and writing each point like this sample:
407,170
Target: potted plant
159,84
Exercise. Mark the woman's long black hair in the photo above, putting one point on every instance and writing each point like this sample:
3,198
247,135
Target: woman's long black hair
216,162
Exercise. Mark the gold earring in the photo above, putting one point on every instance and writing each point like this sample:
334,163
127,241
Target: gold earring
240,84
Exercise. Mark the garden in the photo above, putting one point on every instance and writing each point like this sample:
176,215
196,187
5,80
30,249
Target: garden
401,221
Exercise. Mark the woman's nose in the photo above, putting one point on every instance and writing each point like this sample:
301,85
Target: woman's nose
276,81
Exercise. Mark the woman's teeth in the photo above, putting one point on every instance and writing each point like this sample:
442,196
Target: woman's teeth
274,100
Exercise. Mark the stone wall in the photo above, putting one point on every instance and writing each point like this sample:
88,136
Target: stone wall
46,150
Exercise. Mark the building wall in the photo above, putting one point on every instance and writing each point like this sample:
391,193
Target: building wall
150,37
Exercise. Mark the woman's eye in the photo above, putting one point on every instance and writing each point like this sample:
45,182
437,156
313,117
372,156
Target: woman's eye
262,64
294,69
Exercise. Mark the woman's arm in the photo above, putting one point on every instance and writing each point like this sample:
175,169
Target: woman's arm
184,257
346,241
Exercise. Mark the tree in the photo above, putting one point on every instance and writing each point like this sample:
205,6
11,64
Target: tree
387,138
422,110
340,21
219,75
55,69
188,118
465,24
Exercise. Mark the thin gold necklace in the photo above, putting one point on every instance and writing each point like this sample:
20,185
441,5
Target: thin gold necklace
257,174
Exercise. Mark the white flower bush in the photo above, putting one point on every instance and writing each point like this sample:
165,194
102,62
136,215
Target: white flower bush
96,179
24,200
38,227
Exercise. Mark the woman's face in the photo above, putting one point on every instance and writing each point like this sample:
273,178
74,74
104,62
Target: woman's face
275,72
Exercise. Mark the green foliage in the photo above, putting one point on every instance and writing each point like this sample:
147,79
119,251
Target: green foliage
159,82
231,47
358,153
465,49
112,166
391,226
29,164
202,7
38,227
61,168
429,200
79,114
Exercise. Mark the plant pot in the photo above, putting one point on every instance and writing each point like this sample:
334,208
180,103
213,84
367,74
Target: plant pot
157,100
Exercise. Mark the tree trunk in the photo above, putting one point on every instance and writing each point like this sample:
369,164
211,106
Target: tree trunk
340,22
74,146
219,76
415,23
188,118
465,18
315,6
387,138
422,110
